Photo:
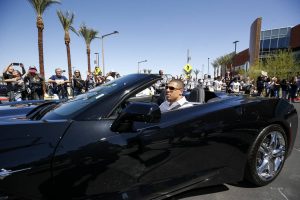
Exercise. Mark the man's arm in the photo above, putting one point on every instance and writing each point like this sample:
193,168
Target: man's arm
23,69
51,80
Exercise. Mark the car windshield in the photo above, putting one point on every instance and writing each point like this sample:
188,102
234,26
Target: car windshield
67,109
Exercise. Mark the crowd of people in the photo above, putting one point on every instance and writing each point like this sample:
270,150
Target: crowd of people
263,86
22,85
29,85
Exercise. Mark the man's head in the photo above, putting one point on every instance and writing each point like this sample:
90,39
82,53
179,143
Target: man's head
58,72
174,90
161,72
32,70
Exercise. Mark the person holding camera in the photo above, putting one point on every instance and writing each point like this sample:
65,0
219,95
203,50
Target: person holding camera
11,80
59,83
34,84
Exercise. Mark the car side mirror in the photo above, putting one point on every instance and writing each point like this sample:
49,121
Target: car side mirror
136,112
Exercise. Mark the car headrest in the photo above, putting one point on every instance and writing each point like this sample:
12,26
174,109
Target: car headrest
197,95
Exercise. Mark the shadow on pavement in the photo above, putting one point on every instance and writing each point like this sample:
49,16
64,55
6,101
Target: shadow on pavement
243,184
200,191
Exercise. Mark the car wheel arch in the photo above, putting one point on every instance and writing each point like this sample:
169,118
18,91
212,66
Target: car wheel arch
250,174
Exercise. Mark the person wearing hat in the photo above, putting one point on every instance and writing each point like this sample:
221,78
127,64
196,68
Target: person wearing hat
34,84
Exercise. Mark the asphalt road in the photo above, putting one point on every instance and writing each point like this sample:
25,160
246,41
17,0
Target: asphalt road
285,187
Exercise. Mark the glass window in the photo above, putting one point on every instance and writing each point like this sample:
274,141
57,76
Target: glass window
275,32
274,43
282,42
283,31
266,44
261,45
267,34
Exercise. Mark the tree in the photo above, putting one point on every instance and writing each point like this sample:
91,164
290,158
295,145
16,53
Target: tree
215,65
226,61
66,20
281,64
39,7
255,70
196,72
149,71
88,34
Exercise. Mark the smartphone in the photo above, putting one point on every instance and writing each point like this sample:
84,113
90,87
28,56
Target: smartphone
16,64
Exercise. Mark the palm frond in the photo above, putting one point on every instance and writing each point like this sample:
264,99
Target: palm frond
66,19
40,6
87,33
74,30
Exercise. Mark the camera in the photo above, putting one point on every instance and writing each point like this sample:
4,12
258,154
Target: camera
16,64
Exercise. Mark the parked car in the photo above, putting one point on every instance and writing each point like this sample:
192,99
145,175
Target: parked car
111,144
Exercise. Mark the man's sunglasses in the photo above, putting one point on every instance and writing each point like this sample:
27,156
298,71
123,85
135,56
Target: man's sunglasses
172,88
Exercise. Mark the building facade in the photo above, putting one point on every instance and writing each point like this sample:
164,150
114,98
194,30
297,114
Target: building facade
264,42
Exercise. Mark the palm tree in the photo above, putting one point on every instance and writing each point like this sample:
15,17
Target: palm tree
196,72
66,20
215,65
226,61
88,34
39,7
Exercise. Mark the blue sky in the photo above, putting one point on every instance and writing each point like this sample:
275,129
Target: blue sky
159,31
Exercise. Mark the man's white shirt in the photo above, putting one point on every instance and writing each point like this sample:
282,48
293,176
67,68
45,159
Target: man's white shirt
235,86
181,103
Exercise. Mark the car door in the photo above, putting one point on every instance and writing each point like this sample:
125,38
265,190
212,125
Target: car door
202,144
91,161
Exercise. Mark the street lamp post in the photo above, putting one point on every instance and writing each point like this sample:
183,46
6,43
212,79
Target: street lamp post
235,46
235,42
102,47
207,66
139,65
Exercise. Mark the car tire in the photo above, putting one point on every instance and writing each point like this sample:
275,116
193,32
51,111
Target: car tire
266,156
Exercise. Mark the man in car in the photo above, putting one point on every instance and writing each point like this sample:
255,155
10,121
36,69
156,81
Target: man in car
174,97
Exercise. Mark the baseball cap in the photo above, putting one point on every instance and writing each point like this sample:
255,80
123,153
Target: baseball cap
32,69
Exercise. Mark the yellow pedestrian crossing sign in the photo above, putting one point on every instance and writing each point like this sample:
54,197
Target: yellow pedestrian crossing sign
187,68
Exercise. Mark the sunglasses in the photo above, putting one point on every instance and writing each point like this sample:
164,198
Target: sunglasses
172,88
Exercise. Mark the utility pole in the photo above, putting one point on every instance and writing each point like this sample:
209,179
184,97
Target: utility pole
188,56
207,66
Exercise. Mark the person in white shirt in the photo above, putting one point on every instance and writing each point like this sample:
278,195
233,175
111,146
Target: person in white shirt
235,86
218,84
174,97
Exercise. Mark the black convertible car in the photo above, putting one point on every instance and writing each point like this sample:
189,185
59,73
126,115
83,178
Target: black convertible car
112,143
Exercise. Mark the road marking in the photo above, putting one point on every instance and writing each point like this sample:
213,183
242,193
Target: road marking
279,189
